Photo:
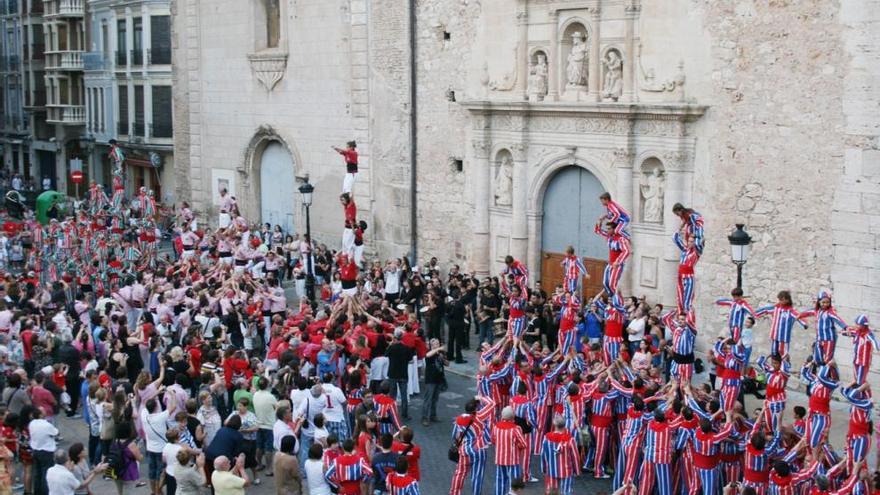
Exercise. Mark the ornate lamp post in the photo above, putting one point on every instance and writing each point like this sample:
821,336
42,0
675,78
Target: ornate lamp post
306,190
740,242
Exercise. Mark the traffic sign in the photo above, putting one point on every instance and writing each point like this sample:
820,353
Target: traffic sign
76,177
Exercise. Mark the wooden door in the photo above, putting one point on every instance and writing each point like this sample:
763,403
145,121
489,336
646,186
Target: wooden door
552,274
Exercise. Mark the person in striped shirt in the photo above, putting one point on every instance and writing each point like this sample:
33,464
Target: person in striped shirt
601,419
559,458
517,270
821,381
783,318
730,357
614,314
777,370
399,482
858,437
657,463
757,456
516,304
510,447
618,253
570,305
865,344
615,214
706,451
348,471
573,270
386,409
782,481
739,309
689,240
526,417
684,334
469,431
827,323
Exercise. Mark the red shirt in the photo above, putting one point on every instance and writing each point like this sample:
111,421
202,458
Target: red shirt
412,456
59,379
350,212
351,160
27,343
232,367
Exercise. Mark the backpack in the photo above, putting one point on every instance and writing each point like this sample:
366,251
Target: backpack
116,461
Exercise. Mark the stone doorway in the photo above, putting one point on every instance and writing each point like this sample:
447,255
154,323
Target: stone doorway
277,187
571,208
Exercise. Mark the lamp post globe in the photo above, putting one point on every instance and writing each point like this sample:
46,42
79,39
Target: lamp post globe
740,243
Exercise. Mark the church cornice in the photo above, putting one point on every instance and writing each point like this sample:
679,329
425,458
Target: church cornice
680,112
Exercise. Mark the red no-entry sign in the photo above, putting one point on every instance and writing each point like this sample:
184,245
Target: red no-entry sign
76,177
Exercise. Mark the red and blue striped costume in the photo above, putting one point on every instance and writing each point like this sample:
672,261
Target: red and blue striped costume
786,485
827,322
601,418
732,362
520,276
858,437
401,484
736,319
629,455
386,413
783,319
706,457
865,344
510,447
570,305
573,270
516,321
615,315
544,400
347,472
774,401
616,214
524,407
559,461
820,386
656,467
472,450
686,263
757,464
683,339
618,253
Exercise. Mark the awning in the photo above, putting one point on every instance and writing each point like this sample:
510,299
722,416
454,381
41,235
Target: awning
138,162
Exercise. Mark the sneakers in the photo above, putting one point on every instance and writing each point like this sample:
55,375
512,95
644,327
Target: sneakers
257,481
425,422
532,479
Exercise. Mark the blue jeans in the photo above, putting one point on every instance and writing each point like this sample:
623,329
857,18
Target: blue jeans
305,443
486,333
748,357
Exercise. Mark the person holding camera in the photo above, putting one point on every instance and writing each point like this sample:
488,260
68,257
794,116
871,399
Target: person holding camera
229,478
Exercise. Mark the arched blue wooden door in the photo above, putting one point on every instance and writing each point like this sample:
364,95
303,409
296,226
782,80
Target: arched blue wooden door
571,209
277,187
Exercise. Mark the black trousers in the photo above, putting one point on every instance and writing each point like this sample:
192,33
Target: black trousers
43,460
457,338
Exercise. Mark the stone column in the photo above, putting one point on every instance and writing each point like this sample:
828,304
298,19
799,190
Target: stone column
482,190
533,261
629,58
518,220
624,167
522,57
676,192
553,83
595,93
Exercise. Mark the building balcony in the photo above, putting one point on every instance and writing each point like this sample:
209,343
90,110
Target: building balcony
63,8
94,61
66,114
12,63
65,60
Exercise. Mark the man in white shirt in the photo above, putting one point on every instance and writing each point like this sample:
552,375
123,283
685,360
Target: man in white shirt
636,330
43,446
264,410
155,422
314,404
334,412
282,428
392,281
61,481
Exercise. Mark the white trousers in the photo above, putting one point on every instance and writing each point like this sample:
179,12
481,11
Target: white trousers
224,220
347,240
348,182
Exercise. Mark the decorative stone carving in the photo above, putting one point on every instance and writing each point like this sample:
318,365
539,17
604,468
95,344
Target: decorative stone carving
268,67
481,149
578,59
676,160
484,80
652,187
673,86
623,157
602,126
504,182
509,122
664,128
538,73
613,85
519,151
508,81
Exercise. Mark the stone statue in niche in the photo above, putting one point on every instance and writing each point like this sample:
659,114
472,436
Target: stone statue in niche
577,61
504,183
538,79
273,23
652,186
613,87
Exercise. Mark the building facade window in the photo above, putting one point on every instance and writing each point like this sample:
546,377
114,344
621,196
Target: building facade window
138,111
162,115
160,40
122,118
121,55
137,57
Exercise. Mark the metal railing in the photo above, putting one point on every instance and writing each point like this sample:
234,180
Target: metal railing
122,128
159,57
94,61
65,60
121,59
137,57
138,129
66,114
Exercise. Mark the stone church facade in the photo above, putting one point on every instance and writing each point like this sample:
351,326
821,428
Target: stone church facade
754,112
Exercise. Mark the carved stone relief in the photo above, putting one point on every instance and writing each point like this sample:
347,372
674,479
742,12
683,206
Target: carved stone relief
612,86
652,187
504,180
268,67
538,73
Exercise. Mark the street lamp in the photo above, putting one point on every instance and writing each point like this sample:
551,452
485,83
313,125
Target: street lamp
306,190
740,242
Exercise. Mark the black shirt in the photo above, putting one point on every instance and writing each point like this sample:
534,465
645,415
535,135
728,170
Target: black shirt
399,357
434,369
